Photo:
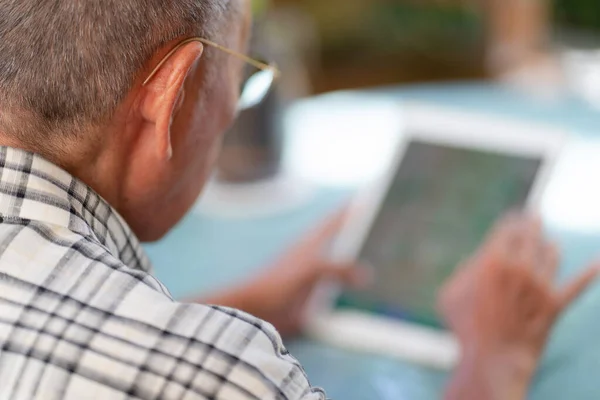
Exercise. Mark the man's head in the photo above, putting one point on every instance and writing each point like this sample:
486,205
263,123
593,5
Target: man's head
71,76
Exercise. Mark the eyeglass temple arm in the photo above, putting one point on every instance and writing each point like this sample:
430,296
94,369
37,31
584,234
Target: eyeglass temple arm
251,61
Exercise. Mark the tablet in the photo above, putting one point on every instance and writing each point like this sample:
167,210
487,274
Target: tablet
453,176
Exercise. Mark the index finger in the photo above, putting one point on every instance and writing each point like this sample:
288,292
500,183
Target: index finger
501,235
576,288
514,231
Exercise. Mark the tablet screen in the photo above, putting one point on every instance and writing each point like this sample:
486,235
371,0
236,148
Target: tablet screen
437,210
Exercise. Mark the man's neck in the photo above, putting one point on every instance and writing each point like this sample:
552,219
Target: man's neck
91,161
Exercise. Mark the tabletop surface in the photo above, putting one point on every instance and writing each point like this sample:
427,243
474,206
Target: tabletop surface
208,251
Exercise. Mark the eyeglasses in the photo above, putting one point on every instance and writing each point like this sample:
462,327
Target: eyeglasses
255,87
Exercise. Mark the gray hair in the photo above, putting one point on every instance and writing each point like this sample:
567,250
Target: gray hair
67,63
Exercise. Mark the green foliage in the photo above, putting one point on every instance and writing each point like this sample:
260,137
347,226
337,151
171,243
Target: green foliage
427,23
578,13
392,26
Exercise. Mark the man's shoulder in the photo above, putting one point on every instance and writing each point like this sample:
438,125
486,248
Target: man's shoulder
209,350
54,258
143,345
76,320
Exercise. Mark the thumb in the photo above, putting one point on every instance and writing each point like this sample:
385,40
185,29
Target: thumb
349,274
575,288
326,231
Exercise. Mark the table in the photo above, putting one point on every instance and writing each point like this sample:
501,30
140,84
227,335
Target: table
205,252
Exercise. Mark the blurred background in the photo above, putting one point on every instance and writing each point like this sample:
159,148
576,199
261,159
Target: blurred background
545,48
357,43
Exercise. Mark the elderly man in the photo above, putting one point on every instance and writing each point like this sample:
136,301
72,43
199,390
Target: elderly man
111,115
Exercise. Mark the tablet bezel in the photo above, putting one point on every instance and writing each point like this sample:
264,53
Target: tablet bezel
436,125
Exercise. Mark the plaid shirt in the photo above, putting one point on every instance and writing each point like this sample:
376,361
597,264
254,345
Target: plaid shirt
81,316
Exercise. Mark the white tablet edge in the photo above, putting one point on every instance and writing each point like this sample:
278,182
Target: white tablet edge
378,334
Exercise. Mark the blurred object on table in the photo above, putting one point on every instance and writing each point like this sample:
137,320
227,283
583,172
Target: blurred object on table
251,180
252,149
518,34
582,75
519,46
577,34
545,47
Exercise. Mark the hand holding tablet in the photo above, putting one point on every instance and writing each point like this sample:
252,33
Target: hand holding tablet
454,175
502,305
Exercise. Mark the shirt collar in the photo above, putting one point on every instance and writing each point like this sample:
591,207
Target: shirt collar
32,188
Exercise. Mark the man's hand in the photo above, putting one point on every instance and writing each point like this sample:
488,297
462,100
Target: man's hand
502,305
280,294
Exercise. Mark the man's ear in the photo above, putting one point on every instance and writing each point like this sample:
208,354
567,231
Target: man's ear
163,94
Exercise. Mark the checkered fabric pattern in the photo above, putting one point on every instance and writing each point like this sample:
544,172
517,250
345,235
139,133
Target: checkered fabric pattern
81,316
